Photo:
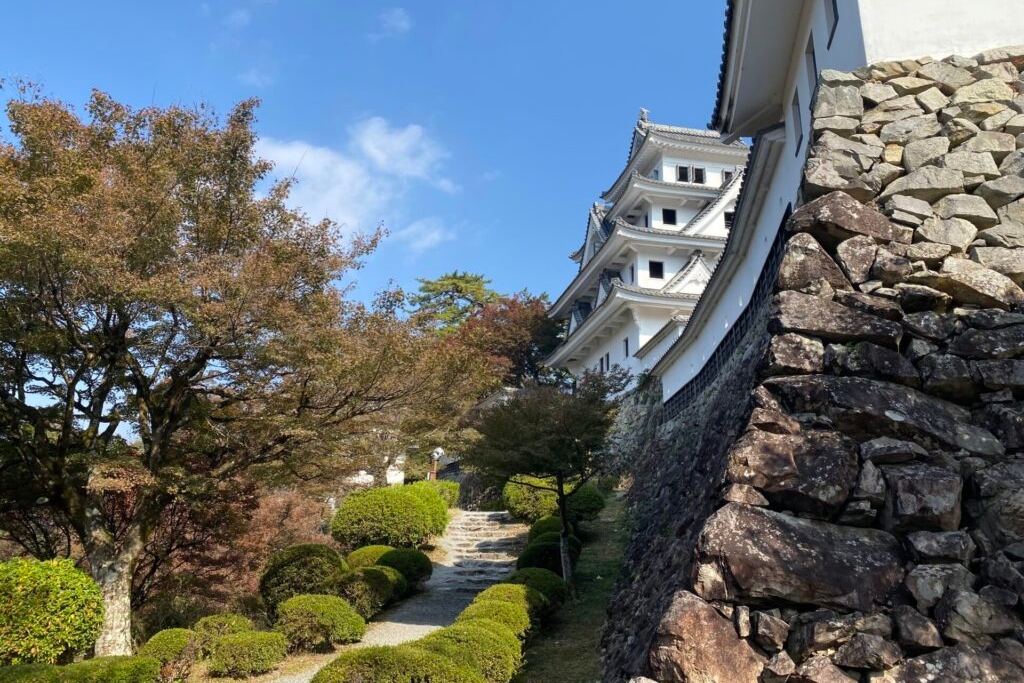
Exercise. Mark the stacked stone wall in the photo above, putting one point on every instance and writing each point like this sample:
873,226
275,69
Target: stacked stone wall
845,500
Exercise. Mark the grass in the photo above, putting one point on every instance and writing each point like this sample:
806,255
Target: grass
567,649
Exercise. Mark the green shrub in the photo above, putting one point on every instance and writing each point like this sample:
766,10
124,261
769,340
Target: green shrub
608,483
305,569
402,664
545,525
176,649
531,599
316,622
381,516
30,673
241,655
449,490
415,566
487,647
214,626
513,615
431,498
545,556
585,504
527,502
367,589
400,584
366,556
547,583
99,670
48,610
575,546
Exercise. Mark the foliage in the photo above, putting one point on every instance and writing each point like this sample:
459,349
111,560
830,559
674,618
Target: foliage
47,610
518,330
366,589
99,670
241,655
447,301
449,490
30,673
402,664
575,546
214,626
176,650
533,600
302,569
530,498
489,648
544,525
513,615
366,556
544,581
434,503
608,483
316,622
545,556
414,565
400,584
585,503
381,516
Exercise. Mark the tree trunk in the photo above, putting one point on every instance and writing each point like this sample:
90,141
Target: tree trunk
563,539
112,569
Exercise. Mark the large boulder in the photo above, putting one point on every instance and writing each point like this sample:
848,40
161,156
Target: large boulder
693,642
838,216
746,552
921,496
960,664
966,617
999,504
805,263
971,283
866,409
831,321
929,183
983,344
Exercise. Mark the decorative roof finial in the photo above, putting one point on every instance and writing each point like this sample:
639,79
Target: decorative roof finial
643,115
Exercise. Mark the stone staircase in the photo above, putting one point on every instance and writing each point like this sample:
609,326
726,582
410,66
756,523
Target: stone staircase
481,549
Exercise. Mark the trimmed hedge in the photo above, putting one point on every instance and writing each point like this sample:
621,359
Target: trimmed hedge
214,626
400,583
246,654
547,583
513,615
310,568
545,525
176,649
99,670
401,664
316,622
381,516
449,490
532,600
586,503
47,609
414,565
434,502
545,556
366,589
487,647
366,556
575,546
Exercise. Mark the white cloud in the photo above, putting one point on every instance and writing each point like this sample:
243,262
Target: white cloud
392,23
256,77
424,234
238,18
368,180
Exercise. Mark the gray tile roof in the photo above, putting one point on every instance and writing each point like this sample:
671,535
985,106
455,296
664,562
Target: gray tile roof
716,121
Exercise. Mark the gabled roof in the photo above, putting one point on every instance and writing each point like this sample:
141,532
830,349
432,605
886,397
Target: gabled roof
594,217
644,128
696,262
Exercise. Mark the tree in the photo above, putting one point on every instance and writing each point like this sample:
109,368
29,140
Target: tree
446,302
165,328
551,433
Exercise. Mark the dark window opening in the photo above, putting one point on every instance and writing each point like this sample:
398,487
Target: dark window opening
683,174
625,346
797,121
632,275
656,269
668,216
727,177
811,67
601,363
729,217
698,174
831,20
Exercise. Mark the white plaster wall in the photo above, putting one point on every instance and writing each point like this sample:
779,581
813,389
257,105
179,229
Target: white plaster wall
612,345
672,263
653,354
683,215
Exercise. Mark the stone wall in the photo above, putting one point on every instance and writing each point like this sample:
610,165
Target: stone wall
845,501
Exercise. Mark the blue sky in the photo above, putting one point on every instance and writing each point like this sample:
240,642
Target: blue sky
478,132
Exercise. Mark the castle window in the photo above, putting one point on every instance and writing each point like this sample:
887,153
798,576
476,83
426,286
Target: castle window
729,217
668,216
601,363
796,121
831,19
683,174
811,66
632,275
699,175
656,269
727,177
625,347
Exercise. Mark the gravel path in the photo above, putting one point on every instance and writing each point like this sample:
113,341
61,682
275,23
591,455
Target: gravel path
480,549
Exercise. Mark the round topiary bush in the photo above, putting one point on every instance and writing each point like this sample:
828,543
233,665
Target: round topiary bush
547,583
428,494
575,546
311,568
545,556
495,652
401,587
515,616
214,626
531,599
402,664
112,670
316,622
48,611
449,490
366,556
585,503
414,565
241,655
528,502
367,589
382,516
544,525
176,649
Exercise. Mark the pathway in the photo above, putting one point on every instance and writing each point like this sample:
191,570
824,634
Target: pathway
480,549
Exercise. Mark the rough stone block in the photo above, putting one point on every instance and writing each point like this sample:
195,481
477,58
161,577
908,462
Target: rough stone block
838,216
828,320
791,354
928,582
928,183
